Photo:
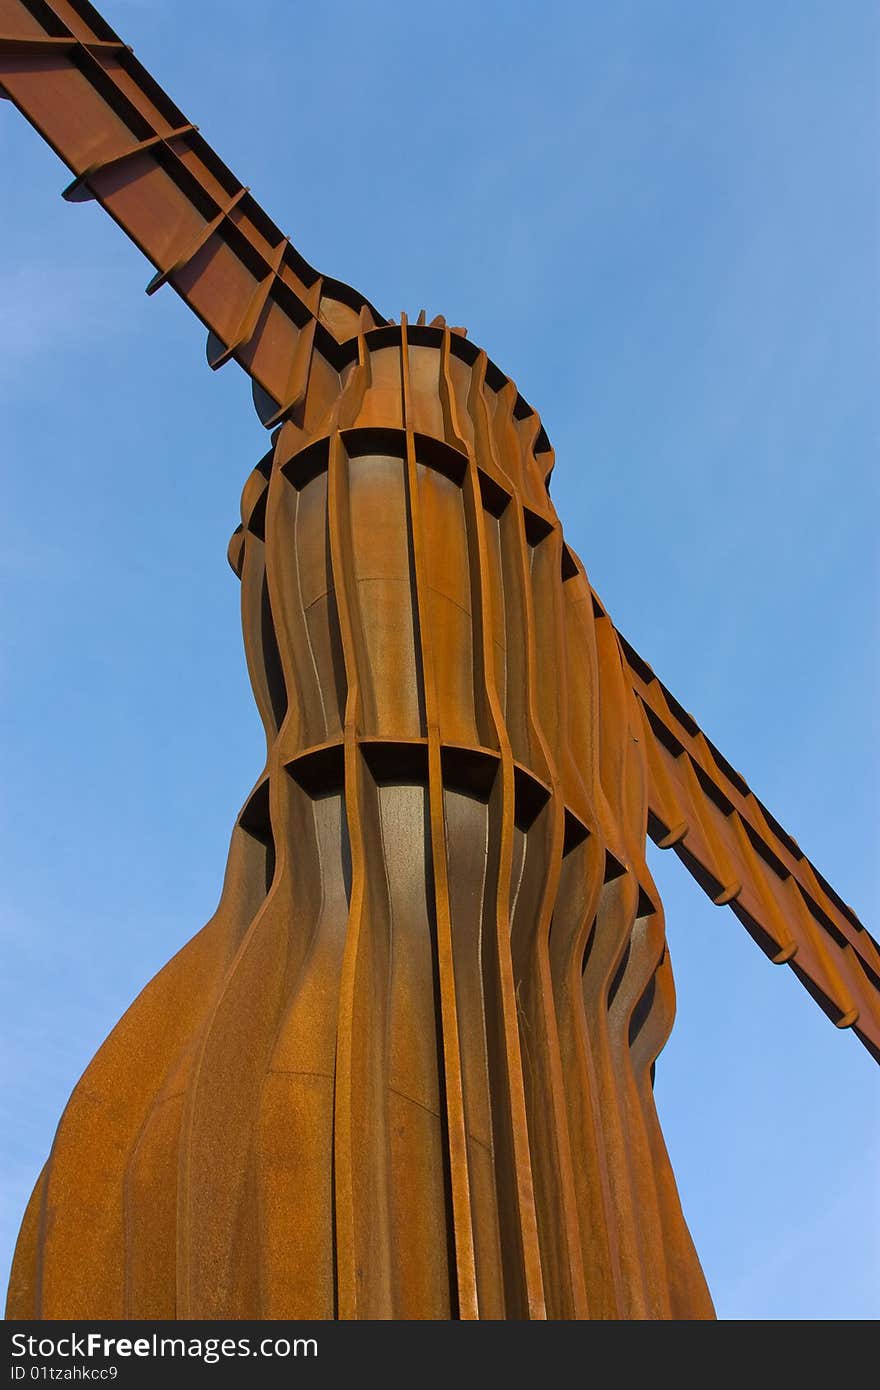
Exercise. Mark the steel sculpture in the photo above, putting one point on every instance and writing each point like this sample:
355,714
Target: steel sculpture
406,1069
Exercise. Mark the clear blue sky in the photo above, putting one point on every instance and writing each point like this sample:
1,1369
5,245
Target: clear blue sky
661,219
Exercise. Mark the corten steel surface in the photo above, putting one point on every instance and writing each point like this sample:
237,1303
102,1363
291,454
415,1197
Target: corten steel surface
406,1069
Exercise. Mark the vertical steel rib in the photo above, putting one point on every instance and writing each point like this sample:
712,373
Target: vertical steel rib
463,1237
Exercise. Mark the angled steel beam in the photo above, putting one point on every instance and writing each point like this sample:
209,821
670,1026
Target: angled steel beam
742,857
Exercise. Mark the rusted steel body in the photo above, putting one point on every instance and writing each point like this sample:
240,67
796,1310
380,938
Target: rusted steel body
406,1069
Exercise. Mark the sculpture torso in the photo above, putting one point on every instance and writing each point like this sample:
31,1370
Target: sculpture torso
405,1071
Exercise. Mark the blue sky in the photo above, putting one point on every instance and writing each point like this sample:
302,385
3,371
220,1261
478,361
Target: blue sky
661,219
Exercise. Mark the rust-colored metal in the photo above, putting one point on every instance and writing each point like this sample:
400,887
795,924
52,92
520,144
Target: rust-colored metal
406,1069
